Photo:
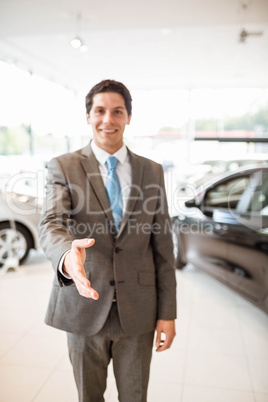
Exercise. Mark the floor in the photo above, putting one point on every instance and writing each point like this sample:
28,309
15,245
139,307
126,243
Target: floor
220,352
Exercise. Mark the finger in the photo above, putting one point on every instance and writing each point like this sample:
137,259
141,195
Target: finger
160,344
84,287
93,294
81,281
79,277
165,343
163,346
89,293
158,340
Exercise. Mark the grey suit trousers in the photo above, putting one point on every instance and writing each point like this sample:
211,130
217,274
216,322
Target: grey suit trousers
131,355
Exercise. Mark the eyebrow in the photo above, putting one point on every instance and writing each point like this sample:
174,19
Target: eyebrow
103,107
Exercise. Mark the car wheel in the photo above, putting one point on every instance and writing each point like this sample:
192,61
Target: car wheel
176,245
15,242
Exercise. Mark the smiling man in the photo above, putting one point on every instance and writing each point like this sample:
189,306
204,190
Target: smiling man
106,229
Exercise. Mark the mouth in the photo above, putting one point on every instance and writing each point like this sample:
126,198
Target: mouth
106,131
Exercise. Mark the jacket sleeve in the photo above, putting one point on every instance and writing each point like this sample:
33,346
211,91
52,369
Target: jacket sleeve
162,245
55,239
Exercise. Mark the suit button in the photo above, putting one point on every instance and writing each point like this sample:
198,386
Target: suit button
112,282
117,250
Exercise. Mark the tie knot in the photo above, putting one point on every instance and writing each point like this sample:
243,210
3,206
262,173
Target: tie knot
112,162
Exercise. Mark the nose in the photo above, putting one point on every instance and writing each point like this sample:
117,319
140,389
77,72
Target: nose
107,118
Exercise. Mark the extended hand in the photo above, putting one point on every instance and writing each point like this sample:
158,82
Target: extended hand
167,328
73,265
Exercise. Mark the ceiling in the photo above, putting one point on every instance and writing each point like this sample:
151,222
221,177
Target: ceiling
147,44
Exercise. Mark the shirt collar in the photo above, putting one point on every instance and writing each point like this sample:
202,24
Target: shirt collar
102,155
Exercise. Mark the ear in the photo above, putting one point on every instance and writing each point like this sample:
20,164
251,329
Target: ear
129,119
88,118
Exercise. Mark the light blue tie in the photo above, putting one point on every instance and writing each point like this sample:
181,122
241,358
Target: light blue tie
114,193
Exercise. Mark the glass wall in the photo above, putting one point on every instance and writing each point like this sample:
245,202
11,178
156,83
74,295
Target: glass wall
37,116
180,128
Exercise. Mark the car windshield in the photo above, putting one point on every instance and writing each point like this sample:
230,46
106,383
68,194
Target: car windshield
227,194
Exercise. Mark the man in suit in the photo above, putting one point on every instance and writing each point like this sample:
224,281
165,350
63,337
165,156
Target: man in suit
115,278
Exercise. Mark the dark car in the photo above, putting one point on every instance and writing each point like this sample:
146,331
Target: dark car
201,173
223,230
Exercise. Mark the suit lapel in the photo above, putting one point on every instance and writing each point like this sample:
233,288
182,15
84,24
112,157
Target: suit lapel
136,188
91,168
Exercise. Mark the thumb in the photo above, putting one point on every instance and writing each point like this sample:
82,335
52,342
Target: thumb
83,243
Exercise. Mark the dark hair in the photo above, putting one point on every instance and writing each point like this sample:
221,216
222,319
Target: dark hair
109,86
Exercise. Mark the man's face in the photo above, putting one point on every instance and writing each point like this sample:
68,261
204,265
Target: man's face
108,118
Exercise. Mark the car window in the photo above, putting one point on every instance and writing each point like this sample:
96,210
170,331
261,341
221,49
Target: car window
259,200
227,194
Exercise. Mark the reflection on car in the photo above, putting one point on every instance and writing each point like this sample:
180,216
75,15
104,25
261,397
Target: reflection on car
223,230
201,173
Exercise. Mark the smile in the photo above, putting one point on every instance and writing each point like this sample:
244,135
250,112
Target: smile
108,131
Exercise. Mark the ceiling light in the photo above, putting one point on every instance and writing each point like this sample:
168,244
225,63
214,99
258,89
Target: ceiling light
83,48
76,42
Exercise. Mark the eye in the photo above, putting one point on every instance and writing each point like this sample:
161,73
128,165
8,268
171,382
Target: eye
99,111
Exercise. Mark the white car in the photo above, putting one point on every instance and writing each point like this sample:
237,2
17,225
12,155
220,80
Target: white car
20,209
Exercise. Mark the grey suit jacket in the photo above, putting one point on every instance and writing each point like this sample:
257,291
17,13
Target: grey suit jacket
138,263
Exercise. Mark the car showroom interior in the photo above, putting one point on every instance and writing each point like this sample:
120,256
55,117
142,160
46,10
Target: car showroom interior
197,75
